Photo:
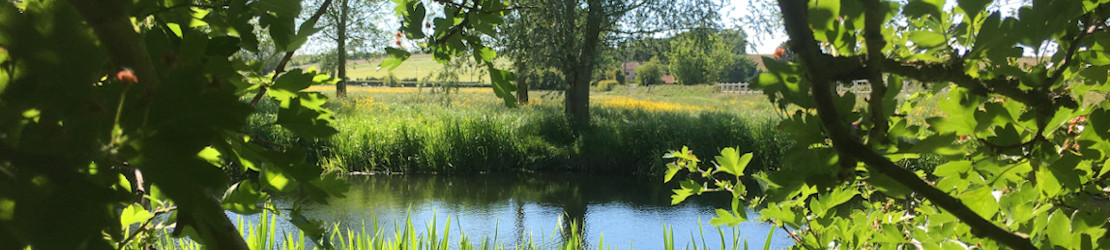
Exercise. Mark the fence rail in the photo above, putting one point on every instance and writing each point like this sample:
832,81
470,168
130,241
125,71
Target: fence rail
857,86
738,88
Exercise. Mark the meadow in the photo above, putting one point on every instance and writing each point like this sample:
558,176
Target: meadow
417,66
469,130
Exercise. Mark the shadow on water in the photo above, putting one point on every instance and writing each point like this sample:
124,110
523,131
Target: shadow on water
520,208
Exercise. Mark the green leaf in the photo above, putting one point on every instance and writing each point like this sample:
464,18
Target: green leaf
725,217
397,57
777,212
952,168
243,198
973,7
1059,229
124,183
328,186
887,185
673,169
274,178
134,214
288,84
312,228
305,117
502,84
920,8
981,201
835,198
414,19
927,39
688,188
822,15
729,161
1047,182
211,155
938,144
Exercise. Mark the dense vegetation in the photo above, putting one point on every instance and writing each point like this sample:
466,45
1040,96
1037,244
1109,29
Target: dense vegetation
1024,146
121,121
468,131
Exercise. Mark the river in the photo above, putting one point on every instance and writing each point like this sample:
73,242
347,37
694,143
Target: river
515,208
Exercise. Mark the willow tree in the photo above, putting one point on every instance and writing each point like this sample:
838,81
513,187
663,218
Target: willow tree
579,30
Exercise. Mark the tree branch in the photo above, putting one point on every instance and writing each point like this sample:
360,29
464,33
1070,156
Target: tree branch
873,35
804,44
1072,48
144,225
288,55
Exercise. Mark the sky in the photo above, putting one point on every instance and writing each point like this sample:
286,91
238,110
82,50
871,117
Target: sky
765,43
761,42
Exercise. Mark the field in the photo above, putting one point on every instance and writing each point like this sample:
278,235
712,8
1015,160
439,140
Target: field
416,67
470,130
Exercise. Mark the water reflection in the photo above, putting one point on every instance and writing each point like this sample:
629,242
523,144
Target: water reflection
520,208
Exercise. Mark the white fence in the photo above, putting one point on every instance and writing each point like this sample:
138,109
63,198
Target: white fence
857,86
738,88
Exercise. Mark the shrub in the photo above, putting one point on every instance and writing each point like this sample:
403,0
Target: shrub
619,76
650,73
606,85
391,80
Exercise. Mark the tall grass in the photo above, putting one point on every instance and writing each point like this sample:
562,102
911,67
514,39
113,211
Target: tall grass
265,233
403,130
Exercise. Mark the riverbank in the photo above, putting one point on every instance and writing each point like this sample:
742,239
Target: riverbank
413,130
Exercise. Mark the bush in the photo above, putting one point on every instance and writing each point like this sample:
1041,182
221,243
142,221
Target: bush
606,85
391,80
650,73
619,76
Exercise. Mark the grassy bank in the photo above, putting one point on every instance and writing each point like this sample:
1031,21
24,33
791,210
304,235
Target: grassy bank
414,130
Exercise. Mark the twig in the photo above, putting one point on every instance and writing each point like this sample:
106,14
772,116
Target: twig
1068,57
475,8
144,225
792,235
289,55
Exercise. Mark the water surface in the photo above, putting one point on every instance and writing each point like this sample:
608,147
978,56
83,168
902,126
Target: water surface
511,208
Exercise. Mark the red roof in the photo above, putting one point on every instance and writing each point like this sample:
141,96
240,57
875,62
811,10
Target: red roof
668,79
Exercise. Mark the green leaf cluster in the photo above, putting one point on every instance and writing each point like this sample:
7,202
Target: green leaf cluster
88,153
964,140
458,32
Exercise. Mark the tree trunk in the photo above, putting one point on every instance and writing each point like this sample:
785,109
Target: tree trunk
341,50
580,69
521,83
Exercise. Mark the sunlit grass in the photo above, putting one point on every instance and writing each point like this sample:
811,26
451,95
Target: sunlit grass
623,102
384,129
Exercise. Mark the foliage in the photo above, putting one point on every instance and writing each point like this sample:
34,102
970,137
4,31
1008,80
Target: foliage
705,56
1024,145
606,85
619,76
456,33
576,34
106,122
391,80
649,73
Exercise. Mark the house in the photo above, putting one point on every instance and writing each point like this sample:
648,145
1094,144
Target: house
668,79
629,69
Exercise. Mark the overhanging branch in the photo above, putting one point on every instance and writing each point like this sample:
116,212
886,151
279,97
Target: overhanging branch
288,55
804,44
